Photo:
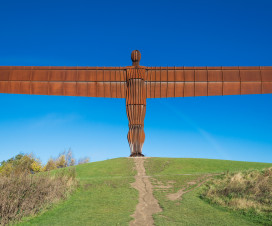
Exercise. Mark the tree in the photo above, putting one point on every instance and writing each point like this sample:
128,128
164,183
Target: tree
83,160
21,163
36,167
50,165
61,161
70,161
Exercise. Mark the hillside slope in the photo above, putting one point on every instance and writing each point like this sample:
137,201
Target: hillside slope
104,198
177,187
107,198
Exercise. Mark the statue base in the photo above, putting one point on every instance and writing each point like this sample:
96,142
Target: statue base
137,154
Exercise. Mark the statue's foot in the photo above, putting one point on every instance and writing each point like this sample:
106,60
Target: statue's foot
136,154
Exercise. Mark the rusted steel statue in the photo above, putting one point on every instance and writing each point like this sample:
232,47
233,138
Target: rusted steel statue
136,83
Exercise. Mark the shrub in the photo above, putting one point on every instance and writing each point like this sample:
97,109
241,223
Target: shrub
26,191
50,165
25,194
36,167
61,161
249,192
20,163
30,164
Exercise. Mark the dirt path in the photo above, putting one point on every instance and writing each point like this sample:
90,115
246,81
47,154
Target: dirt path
198,182
147,205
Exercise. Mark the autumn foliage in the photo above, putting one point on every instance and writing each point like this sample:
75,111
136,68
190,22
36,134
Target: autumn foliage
27,187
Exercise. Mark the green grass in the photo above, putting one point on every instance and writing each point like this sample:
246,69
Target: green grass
191,209
105,197
173,166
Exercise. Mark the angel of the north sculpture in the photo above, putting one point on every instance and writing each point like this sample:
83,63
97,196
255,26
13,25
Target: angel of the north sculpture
136,83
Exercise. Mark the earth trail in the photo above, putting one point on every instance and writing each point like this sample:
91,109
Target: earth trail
147,205
198,182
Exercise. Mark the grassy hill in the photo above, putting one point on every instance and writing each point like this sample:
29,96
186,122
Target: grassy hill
190,209
106,197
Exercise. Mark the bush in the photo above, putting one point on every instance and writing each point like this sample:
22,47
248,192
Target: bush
65,159
50,165
28,163
25,194
249,192
61,161
20,163
26,189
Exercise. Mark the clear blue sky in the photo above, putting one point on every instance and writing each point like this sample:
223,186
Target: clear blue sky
168,33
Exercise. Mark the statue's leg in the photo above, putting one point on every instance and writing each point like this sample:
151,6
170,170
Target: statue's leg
136,108
136,135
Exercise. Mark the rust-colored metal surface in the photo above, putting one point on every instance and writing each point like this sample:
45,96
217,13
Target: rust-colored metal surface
207,81
66,81
136,83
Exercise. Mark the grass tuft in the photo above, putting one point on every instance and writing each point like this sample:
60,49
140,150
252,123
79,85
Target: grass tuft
249,192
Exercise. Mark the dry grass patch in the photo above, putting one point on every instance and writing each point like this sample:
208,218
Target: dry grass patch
25,194
248,191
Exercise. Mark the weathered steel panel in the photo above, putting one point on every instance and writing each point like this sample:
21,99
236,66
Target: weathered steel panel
56,88
39,88
70,88
231,76
171,89
266,87
231,88
4,87
171,75
201,89
266,75
164,89
19,75
14,87
179,76
215,89
189,75
215,75
250,76
179,89
39,75
55,75
189,89
70,75
82,89
201,75
251,88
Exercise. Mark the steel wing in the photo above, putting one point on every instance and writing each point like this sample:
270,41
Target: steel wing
164,82
64,81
